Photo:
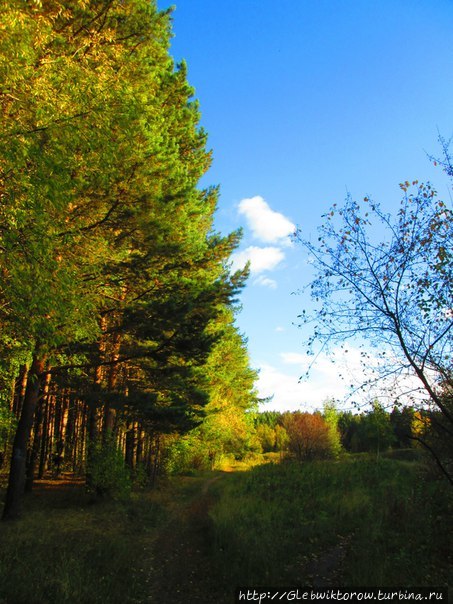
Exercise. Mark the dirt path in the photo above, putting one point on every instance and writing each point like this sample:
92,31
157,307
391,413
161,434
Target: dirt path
177,565
327,568
181,569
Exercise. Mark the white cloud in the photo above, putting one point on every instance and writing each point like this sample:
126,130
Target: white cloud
292,394
294,358
345,361
265,282
280,329
288,394
331,375
266,224
340,373
261,259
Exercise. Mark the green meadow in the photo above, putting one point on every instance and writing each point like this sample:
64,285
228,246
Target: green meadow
355,522
360,521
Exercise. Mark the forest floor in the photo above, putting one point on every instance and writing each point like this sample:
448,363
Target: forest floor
181,568
155,548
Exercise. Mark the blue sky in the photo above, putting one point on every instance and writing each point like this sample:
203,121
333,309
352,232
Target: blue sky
304,101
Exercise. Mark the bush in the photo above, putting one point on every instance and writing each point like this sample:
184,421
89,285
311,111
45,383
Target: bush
187,454
108,475
266,437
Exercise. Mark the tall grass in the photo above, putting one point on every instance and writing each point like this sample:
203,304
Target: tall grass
355,522
68,550
361,521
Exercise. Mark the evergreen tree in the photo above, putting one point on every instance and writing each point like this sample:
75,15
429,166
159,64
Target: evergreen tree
111,275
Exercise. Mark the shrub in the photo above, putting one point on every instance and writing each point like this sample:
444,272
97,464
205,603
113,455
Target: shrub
186,454
108,474
266,436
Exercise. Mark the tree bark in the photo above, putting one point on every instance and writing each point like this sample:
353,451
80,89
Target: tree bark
109,413
20,390
37,439
131,444
70,434
92,428
45,440
16,483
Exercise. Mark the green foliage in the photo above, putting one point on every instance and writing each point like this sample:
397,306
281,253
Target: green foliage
186,455
108,474
281,438
269,418
380,520
376,429
99,174
227,426
107,246
401,420
267,437
7,423
331,416
67,550
219,438
141,478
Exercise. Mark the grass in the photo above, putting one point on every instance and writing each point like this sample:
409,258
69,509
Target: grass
355,522
228,463
68,550
359,521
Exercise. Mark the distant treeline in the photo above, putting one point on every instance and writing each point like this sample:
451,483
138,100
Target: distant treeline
325,434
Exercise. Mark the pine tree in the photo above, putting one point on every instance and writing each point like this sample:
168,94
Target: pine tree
111,275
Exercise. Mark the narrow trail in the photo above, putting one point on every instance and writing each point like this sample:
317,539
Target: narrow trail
177,564
181,569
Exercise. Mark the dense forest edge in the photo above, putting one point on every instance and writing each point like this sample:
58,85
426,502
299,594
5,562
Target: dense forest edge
117,302
135,464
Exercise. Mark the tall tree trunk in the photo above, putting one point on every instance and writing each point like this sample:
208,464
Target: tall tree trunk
131,444
20,390
140,447
16,482
156,459
70,434
109,413
92,428
92,441
80,443
43,456
37,437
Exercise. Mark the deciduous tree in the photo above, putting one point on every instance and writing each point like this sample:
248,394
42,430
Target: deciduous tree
308,436
388,281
